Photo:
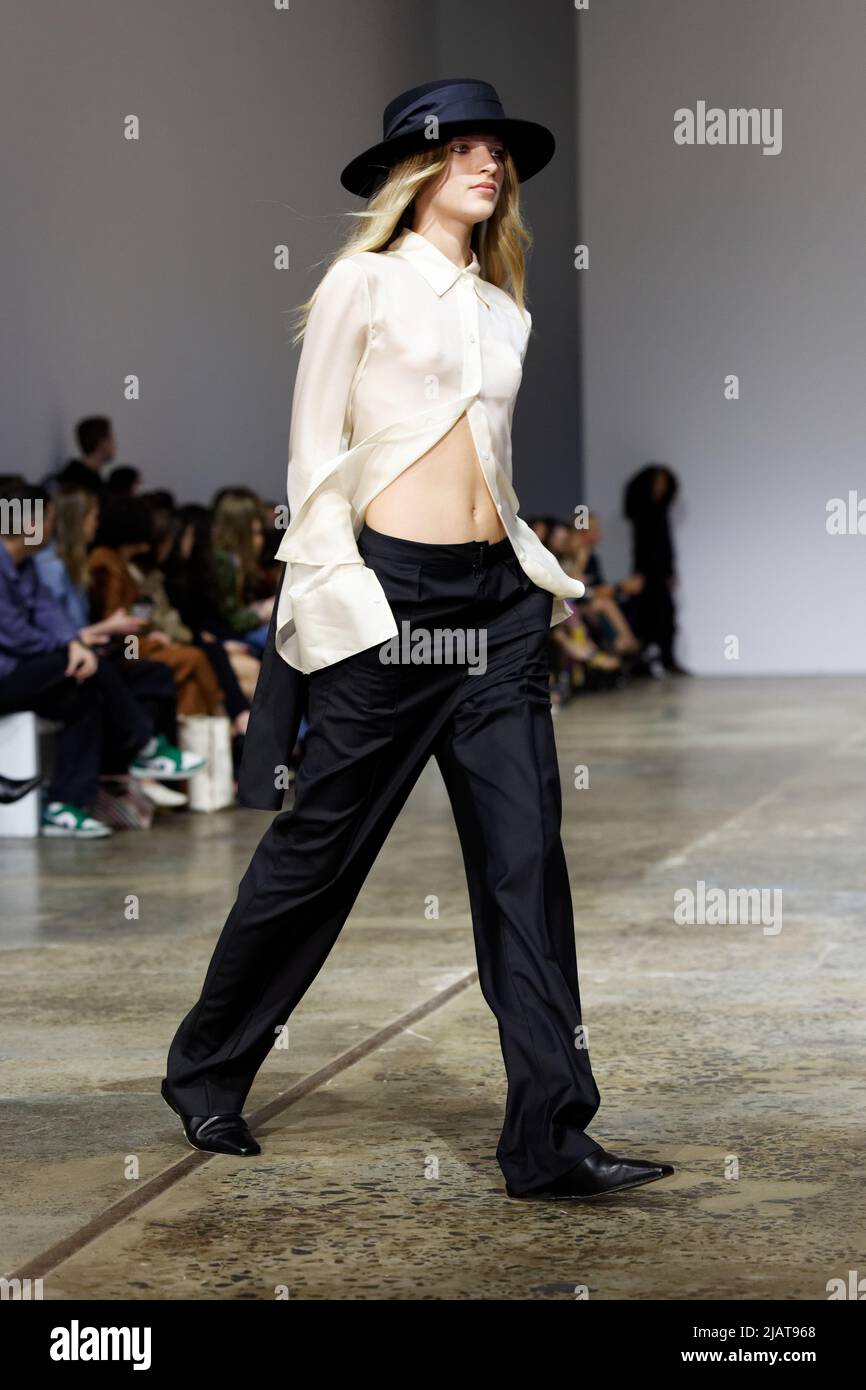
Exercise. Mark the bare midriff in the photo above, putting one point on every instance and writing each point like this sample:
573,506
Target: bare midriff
441,498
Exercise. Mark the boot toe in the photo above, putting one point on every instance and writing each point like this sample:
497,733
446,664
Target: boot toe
600,1174
222,1134
218,1134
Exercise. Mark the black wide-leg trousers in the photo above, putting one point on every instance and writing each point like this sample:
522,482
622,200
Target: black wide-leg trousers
481,707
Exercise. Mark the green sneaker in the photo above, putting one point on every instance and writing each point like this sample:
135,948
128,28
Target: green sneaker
61,818
161,761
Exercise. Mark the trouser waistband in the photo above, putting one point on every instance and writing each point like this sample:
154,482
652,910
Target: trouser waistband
452,555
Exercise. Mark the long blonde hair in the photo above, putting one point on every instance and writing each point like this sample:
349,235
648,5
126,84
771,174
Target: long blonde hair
500,242
232,530
71,508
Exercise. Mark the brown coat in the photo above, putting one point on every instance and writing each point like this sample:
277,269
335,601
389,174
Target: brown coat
113,587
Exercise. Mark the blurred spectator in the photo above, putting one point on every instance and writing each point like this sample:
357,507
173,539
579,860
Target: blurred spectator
647,502
543,526
238,538
63,568
123,481
124,534
264,580
192,586
170,537
98,447
46,668
602,602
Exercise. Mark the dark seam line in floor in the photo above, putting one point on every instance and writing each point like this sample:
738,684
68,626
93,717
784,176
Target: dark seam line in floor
38,1266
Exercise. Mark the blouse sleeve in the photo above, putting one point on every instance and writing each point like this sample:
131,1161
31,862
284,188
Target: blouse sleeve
335,341
331,603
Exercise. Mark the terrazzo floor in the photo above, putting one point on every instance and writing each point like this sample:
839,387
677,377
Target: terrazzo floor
735,1051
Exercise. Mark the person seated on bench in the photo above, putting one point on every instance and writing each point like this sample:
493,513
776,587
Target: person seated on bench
44,667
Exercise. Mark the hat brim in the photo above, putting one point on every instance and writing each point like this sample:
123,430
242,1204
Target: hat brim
530,145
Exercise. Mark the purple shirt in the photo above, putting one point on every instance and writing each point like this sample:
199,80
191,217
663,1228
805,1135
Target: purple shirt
31,619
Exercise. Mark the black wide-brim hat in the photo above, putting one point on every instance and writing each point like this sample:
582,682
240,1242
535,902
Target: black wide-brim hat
459,104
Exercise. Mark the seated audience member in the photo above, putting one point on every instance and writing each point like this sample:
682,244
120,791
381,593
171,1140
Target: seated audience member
579,656
169,537
601,604
194,589
98,447
46,668
542,526
161,499
146,570
124,533
63,569
238,538
266,577
123,481
560,540
190,574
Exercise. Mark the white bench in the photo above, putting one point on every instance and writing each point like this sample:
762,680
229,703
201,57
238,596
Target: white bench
19,758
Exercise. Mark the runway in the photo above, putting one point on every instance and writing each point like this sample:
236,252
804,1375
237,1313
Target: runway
732,1050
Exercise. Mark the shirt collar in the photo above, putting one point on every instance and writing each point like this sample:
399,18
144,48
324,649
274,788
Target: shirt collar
435,266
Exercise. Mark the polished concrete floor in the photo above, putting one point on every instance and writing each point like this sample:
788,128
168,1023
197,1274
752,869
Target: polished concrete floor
735,1050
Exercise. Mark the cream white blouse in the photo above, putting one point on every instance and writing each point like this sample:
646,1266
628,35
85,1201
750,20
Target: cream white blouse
398,345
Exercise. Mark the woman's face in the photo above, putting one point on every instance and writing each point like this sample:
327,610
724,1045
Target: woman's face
257,535
469,187
661,485
187,541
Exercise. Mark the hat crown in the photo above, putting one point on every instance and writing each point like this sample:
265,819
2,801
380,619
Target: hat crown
430,114
457,98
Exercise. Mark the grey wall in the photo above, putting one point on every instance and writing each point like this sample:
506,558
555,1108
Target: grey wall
707,261
156,257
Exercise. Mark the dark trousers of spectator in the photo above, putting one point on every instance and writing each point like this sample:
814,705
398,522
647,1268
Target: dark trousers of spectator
151,684
90,711
372,728
655,617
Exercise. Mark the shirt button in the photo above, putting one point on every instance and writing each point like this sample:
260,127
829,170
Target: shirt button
472,338
486,454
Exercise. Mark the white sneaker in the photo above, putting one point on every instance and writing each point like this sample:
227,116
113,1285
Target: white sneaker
161,795
160,760
62,818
